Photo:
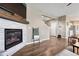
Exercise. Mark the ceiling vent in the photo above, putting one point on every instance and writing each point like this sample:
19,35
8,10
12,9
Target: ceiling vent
68,4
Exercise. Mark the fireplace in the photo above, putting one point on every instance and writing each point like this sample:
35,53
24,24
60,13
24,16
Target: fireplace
12,37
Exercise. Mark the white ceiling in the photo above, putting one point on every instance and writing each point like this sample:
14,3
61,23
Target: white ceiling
57,9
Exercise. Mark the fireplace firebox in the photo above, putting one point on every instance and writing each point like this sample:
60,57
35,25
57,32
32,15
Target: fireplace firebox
12,37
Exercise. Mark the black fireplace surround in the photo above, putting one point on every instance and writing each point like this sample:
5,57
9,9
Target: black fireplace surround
12,37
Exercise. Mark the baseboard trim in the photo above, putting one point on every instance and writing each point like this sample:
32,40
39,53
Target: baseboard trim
37,41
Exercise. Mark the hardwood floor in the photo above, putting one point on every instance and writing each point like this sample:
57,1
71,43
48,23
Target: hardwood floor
45,48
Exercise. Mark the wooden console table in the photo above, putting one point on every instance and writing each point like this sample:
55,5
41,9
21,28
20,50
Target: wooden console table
76,45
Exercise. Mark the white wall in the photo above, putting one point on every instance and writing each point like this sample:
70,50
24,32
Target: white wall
11,25
54,27
35,20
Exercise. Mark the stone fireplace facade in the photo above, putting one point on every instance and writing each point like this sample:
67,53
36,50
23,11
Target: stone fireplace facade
15,45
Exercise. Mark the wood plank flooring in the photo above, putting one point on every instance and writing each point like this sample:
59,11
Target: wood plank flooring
46,48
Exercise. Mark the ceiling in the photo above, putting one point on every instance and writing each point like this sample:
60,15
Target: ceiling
57,9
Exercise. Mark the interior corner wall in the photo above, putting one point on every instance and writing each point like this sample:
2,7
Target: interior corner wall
35,20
